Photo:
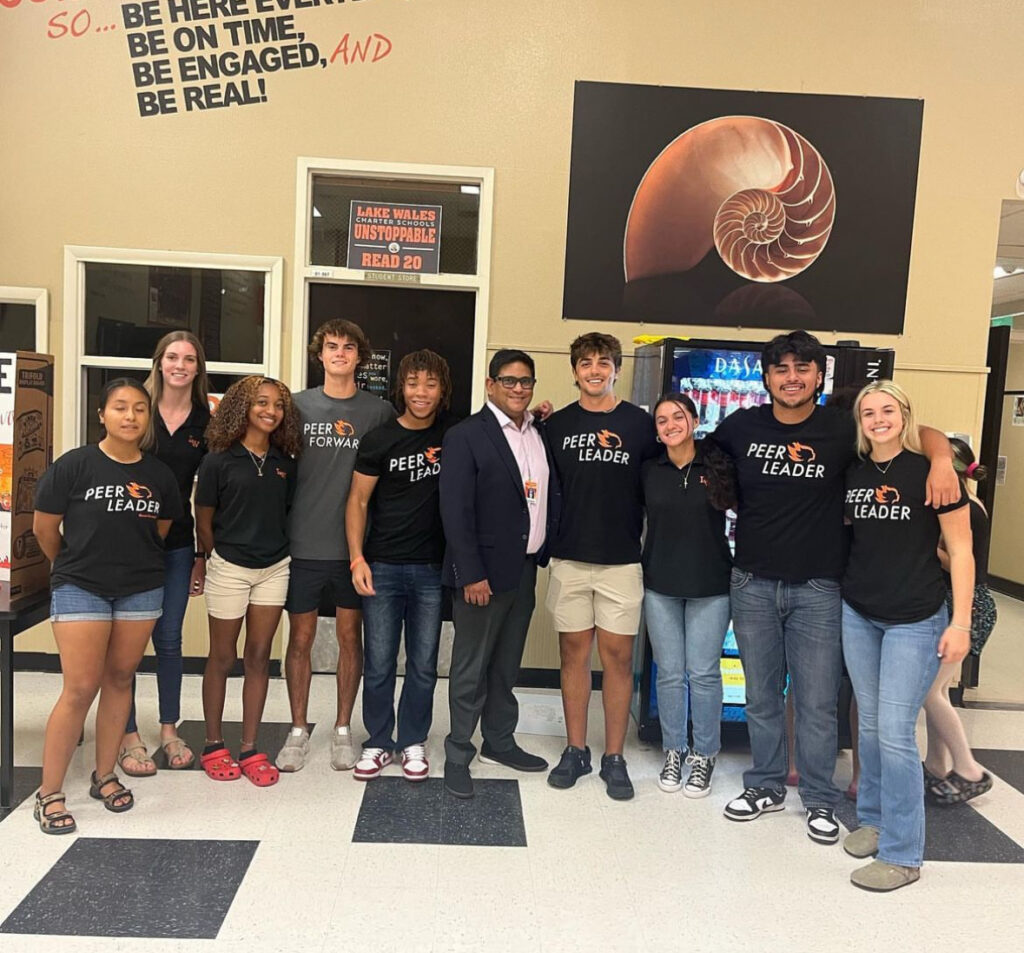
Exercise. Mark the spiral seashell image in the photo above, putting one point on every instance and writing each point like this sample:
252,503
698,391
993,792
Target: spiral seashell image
752,188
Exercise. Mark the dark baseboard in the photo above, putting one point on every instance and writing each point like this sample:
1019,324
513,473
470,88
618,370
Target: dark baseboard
47,662
549,678
1006,586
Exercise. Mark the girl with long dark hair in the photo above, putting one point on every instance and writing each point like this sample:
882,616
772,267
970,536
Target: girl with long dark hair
951,775
686,563
101,514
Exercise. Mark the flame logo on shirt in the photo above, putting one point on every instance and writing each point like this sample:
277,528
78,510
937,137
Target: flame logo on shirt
608,439
280,473
887,494
800,452
344,429
193,442
138,491
432,454
704,480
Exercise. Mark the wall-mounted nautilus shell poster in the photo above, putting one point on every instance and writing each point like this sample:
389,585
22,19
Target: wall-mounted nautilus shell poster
746,209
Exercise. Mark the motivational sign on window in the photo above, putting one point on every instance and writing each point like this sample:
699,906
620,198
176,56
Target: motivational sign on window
403,238
374,375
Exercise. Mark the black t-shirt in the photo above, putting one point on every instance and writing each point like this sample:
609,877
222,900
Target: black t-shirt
979,544
598,457
790,485
111,545
893,574
404,512
183,451
686,552
249,520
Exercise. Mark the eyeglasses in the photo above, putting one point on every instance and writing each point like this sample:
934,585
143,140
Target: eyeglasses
509,382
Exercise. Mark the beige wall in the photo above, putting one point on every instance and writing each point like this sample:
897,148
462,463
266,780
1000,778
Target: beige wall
1006,557
491,84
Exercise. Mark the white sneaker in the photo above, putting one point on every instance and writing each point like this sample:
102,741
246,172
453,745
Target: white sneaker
415,766
371,763
343,752
293,753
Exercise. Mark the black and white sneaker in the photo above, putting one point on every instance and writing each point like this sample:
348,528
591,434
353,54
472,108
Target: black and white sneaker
671,777
698,784
822,825
754,802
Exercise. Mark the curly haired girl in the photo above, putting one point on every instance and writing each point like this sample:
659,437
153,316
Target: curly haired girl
246,485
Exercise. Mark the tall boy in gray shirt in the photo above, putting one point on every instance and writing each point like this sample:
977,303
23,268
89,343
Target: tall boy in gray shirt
334,419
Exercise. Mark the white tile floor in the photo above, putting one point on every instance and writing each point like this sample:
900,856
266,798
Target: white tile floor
658,873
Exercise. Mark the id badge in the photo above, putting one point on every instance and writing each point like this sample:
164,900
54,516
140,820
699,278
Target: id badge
530,489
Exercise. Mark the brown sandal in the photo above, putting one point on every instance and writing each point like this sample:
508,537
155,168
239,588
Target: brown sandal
48,822
110,800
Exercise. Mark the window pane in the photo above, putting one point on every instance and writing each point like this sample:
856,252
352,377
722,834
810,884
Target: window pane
17,327
96,379
128,308
333,195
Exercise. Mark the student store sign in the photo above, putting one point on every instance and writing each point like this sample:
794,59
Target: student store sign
394,238
198,55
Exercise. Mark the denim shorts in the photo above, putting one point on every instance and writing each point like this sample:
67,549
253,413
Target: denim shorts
69,603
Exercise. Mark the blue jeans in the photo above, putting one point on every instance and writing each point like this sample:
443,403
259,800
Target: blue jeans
790,627
686,639
892,666
167,638
409,593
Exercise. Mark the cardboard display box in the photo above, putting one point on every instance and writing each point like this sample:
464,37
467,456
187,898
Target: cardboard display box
26,450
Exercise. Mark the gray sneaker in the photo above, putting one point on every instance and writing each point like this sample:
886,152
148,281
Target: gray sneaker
862,842
293,753
881,877
344,753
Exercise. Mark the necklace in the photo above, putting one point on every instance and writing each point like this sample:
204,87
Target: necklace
259,460
884,470
686,475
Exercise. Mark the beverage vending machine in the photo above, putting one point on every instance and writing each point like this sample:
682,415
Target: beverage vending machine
722,377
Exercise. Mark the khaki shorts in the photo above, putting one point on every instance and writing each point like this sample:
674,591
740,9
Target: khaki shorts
231,589
582,595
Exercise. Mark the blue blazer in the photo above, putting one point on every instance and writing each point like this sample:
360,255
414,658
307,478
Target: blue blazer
483,506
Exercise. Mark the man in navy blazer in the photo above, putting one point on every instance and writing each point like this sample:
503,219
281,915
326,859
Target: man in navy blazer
498,495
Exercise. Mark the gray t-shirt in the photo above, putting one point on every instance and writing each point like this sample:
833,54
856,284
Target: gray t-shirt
331,430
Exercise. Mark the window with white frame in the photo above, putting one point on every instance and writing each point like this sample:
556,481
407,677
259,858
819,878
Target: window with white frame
327,191
23,318
118,303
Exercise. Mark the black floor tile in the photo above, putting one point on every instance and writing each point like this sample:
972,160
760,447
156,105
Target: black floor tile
394,811
193,733
1009,765
955,833
26,783
133,887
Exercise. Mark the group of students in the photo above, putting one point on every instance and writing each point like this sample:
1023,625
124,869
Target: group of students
336,500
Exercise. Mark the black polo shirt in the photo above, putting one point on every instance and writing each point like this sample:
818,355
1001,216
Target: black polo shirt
183,451
686,552
250,511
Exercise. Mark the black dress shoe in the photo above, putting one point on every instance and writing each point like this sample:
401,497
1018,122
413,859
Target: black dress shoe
574,763
513,757
615,776
457,780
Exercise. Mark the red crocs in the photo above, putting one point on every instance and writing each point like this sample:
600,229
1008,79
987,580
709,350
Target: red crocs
220,766
258,769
